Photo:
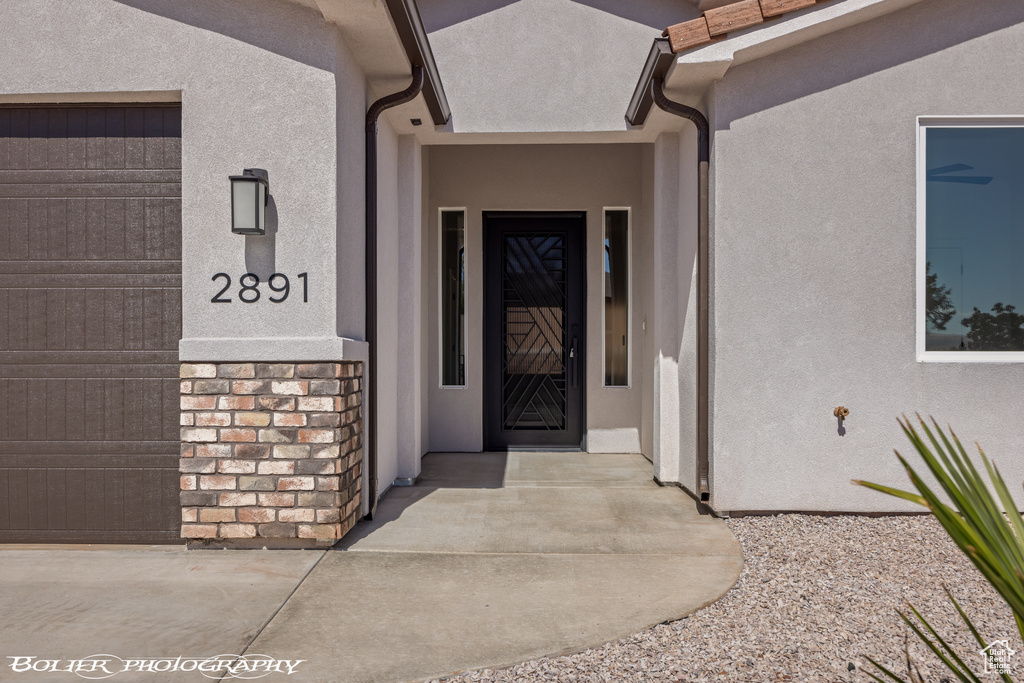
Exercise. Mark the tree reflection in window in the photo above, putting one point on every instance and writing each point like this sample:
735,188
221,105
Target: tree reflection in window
974,234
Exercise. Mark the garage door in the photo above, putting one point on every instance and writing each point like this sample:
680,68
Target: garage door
90,317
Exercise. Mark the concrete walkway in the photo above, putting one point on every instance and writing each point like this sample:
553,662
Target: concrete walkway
492,559
488,561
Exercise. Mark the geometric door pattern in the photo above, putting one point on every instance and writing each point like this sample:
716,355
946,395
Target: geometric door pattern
534,354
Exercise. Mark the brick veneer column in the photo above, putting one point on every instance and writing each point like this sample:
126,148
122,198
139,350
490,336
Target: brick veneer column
271,453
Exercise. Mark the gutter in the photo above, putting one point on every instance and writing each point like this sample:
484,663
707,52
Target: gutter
650,90
425,80
410,30
659,61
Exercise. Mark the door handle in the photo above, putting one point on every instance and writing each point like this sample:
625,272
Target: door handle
573,374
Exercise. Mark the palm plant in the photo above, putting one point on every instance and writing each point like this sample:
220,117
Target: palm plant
991,538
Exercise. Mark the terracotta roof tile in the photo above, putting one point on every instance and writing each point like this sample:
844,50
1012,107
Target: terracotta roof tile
715,23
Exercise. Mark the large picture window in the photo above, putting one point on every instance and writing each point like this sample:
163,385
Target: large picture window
971,240
453,297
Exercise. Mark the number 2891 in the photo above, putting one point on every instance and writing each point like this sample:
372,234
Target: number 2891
249,288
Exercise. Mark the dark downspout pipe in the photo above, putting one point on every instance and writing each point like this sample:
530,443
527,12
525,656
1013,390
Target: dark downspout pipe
372,114
703,280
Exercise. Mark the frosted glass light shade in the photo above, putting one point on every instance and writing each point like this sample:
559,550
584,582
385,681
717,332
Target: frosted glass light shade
249,194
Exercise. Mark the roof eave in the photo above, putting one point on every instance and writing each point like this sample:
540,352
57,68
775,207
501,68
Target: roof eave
410,30
659,61
694,70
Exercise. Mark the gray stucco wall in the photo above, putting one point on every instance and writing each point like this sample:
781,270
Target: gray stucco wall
814,230
268,85
543,65
534,178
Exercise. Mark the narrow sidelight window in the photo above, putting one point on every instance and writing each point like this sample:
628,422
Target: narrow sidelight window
453,298
973,176
616,297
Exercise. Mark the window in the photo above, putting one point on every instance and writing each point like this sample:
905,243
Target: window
453,297
970,240
616,297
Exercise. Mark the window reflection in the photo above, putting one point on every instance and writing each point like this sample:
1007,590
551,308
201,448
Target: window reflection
974,239
616,298
453,298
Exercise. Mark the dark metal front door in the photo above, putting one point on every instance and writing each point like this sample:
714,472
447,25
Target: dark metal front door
534,329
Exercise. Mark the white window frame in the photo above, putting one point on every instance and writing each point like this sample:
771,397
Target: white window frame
923,124
441,210
629,297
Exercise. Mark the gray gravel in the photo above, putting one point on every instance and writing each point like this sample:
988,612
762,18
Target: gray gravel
817,594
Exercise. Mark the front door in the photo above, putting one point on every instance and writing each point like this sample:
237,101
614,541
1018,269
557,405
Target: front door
534,329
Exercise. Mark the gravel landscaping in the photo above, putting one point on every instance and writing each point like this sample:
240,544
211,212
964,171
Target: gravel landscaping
817,595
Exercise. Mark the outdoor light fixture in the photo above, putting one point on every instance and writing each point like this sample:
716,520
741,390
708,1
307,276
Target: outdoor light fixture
250,193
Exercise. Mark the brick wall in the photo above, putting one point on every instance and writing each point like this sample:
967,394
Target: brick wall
271,453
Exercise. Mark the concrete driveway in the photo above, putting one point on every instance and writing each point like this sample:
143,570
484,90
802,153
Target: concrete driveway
489,560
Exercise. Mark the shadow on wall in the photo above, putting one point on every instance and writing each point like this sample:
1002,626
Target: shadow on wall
948,23
239,19
658,14
261,250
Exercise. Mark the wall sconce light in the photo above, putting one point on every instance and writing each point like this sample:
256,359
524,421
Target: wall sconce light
250,193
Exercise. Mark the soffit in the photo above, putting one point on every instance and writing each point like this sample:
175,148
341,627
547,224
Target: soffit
371,36
696,68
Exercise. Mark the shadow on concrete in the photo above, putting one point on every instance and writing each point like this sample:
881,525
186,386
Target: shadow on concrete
463,470
438,471
500,558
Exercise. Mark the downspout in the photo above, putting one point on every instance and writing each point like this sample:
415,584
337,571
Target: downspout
703,257
372,114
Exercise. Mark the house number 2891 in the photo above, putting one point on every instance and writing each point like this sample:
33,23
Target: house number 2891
249,288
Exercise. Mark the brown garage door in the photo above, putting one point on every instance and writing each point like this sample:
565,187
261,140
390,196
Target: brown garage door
90,317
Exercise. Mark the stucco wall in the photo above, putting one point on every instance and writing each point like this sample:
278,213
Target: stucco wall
258,84
670,358
534,178
543,65
814,230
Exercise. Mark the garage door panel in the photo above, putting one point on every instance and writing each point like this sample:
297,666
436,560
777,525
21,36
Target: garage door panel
15,418
74,324
56,499
172,316
90,318
113,318
113,139
17,228
75,501
172,216
76,138
38,230
113,210
18,139
153,228
113,499
35,329
37,504
57,228
57,140
95,506
5,498
17,499
56,313
56,400
171,408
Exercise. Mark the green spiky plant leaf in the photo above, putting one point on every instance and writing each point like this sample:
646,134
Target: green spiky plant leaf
986,526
